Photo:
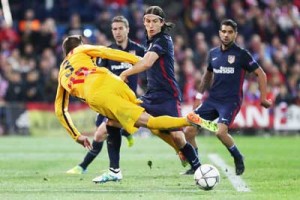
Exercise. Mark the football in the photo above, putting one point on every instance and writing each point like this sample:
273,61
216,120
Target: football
207,177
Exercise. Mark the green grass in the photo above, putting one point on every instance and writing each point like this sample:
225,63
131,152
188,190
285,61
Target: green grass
34,168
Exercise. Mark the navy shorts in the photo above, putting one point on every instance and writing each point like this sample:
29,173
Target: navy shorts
100,119
212,109
155,105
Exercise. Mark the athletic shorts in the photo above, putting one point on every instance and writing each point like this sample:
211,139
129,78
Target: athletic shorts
156,105
99,119
212,109
111,97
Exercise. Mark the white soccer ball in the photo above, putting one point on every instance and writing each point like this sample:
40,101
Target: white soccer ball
207,177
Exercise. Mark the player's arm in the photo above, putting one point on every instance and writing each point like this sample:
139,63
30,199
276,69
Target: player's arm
111,54
262,82
61,111
252,66
206,81
204,85
145,63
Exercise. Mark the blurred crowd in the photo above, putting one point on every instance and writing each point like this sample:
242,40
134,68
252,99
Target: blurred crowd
30,51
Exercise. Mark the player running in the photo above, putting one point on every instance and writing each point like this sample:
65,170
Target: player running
227,66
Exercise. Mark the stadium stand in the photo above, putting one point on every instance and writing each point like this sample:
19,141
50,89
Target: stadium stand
30,49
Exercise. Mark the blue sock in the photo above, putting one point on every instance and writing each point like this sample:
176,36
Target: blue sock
197,153
235,153
190,154
113,141
92,154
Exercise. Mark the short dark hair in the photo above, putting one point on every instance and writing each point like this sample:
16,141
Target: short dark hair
120,18
156,10
71,42
229,22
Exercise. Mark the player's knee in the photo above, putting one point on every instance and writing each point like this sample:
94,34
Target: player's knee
100,134
221,133
178,138
100,137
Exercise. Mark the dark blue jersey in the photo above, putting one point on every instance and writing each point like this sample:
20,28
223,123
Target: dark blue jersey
161,76
118,67
229,68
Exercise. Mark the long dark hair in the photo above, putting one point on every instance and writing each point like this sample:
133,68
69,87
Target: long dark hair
156,10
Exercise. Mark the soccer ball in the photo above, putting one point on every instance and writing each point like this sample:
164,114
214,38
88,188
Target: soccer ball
207,177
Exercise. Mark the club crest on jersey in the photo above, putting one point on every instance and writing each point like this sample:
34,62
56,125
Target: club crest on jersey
231,59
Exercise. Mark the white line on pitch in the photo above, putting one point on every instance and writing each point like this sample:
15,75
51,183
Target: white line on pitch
237,182
188,191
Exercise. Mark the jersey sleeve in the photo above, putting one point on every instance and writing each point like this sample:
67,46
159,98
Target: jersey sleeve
61,111
249,64
141,51
111,54
159,47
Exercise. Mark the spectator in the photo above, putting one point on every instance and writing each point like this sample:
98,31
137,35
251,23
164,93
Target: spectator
15,89
74,26
29,22
34,91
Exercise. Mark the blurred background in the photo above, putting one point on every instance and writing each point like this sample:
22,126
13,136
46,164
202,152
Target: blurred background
31,33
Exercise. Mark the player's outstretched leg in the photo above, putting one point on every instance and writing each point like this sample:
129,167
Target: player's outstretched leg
196,120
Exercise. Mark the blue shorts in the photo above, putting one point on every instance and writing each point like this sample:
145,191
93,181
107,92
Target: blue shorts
100,119
212,109
155,105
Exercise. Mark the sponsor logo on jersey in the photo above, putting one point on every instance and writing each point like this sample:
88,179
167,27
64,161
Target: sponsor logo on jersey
121,66
231,59
224,70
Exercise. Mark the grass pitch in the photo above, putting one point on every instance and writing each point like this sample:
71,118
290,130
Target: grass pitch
34,168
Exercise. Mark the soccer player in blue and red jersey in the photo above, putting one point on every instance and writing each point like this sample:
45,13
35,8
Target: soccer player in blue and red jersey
227,66
120,31
163,95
